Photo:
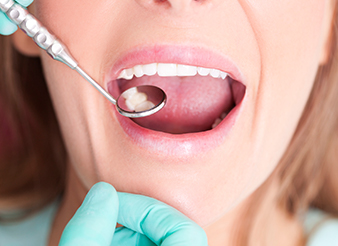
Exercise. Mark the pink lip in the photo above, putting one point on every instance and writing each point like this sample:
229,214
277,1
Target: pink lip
182,145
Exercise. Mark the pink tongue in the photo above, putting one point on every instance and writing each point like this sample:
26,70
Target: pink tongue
193,103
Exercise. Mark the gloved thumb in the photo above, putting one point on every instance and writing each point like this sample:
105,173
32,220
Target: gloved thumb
95,221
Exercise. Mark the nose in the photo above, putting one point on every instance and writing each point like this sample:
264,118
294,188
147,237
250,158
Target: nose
174,5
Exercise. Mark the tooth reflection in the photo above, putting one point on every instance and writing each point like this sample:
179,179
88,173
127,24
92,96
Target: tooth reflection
137,101
146,105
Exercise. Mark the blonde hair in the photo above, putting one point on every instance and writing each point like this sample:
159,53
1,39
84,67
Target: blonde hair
33,164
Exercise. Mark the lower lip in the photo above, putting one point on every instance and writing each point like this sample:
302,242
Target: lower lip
180,145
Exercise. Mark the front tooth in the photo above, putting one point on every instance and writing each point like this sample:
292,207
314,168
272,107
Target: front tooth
186,70
166,69
138,71
203,71
150,69
215,73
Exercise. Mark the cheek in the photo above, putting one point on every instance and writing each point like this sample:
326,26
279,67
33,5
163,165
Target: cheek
288,35
289,39
291,29
66,93
77,23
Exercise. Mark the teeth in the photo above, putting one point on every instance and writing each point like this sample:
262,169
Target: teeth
216,123
166,70
122,74
219,120
215,73
169,70
138,71
144,106
185,70
150,69
129,73
224,75
203,71
137,101
129,93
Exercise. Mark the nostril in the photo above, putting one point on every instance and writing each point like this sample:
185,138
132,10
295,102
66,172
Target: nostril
163,2
154,4
177,5
180,5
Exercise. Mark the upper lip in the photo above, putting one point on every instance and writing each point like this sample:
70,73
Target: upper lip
188,55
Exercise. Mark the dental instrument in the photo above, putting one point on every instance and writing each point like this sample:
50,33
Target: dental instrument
155,97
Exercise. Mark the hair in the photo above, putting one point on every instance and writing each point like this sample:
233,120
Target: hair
33,156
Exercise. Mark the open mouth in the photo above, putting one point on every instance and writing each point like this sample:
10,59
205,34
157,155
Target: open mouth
199,98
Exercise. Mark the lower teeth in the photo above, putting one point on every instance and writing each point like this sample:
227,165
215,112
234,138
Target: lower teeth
219,120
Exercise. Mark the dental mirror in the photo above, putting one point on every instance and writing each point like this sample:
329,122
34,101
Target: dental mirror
155,97
135,102
141,101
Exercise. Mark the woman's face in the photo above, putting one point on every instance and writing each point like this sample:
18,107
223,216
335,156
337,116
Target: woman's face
271,51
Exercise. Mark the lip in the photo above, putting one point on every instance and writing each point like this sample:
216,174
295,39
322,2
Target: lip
178,145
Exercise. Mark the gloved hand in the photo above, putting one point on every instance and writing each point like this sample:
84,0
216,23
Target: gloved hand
6,26
147,222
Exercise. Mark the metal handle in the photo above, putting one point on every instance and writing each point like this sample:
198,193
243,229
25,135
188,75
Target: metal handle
34,29
48,42
58,51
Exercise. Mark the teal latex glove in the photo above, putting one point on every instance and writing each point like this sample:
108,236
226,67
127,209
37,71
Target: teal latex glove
147,222
6,26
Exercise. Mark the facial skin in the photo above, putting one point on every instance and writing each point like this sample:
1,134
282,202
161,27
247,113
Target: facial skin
277,46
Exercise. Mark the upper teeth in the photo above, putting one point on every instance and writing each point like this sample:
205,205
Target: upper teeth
168,70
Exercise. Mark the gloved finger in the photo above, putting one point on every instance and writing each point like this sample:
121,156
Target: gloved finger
24,3
95,221
6,26
161,223
125,237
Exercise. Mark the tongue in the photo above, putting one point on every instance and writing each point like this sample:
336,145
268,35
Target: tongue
193,103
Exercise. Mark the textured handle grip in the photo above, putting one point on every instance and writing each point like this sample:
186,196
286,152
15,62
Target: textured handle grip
34,29
5,5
